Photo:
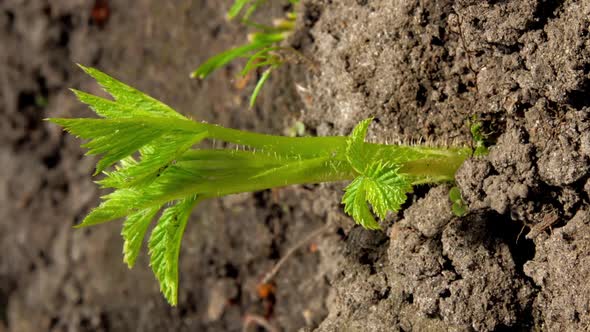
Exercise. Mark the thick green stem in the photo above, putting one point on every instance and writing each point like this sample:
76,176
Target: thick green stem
312,171
298,146
425,164
219,173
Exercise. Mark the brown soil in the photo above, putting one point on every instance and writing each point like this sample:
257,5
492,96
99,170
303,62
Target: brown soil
421,68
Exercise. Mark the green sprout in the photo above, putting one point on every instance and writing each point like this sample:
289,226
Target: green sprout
479,137
262,49
157,167
459,207
297,129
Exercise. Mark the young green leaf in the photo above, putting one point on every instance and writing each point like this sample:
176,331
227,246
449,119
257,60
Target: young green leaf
355,203
378,183
115,205
386,188
381,186
155,158
236,8
259,86
224,58
356,153
115,139
133,99
459,207
108,108
164,246
132,121
133,232
455,194
119,138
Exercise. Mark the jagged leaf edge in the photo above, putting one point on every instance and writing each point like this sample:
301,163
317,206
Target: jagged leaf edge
164,246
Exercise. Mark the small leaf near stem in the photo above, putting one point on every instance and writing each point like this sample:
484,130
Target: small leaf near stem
379,182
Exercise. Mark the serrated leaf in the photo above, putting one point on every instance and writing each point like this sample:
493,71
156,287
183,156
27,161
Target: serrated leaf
130,97
133,232
379,183
164,246
113,109
386,189
155,159
114,205
358,157
173,184
381,186
355,203
119,138
115,140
